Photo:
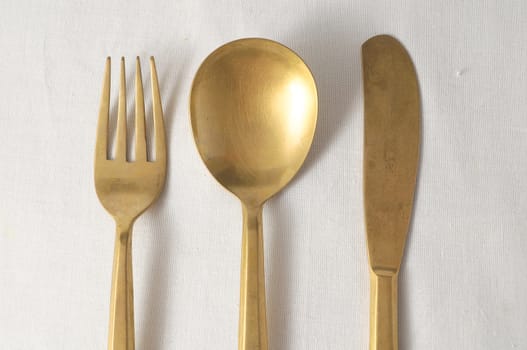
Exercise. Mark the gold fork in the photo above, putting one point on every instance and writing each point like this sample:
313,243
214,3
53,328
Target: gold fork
126,189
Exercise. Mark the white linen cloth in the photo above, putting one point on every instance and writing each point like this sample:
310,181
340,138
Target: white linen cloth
463,282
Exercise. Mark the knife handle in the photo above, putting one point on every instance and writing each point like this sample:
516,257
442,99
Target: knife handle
383,310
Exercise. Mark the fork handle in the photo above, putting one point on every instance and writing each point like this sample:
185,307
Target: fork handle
253,323
121,334
383,311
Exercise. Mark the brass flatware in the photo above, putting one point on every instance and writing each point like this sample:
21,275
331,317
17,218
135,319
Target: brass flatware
126,189
253,109
391,154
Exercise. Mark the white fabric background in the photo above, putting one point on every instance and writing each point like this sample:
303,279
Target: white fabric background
463,282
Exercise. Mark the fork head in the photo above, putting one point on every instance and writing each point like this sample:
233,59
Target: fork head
126,189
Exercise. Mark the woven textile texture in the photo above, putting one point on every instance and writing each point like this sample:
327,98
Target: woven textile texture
463,281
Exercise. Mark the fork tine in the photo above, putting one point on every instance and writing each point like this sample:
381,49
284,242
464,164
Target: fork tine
140,138
104,113
159,127
120,150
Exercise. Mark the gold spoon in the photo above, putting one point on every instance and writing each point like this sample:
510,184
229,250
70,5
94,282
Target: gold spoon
253,108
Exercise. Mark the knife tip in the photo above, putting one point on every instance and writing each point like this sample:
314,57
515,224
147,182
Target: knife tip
381,39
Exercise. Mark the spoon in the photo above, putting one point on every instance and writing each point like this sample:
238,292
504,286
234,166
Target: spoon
253,108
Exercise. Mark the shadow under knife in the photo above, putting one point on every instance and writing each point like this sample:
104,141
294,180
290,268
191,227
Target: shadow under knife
404,316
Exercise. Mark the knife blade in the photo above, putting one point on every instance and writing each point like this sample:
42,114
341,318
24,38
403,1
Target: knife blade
391,155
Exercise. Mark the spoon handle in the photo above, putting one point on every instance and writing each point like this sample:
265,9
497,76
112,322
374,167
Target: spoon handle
253,322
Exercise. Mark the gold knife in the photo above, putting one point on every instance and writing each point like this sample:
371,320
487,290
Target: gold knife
391,154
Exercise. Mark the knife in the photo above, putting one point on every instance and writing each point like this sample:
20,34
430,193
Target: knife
391,154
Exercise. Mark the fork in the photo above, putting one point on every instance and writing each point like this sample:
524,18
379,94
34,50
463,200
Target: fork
126,189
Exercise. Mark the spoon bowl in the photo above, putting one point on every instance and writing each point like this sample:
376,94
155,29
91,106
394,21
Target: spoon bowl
253,108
